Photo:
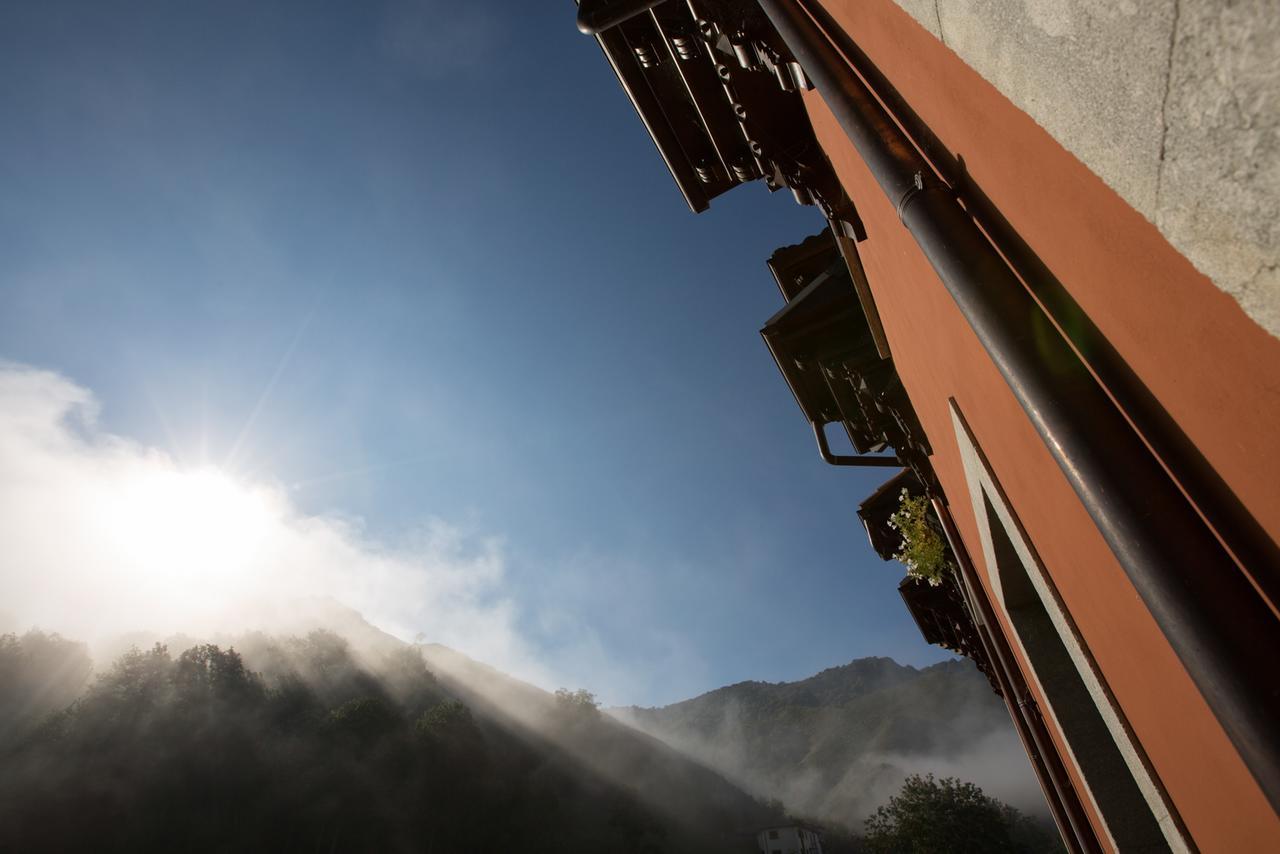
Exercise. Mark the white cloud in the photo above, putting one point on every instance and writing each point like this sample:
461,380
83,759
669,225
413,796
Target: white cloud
102,535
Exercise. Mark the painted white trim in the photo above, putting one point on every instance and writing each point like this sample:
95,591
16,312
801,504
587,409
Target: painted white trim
983,484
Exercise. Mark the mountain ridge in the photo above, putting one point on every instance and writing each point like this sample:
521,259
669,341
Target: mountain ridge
831,746
815,680
312,742
834,745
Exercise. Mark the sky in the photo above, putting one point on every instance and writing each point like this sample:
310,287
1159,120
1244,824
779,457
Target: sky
396,303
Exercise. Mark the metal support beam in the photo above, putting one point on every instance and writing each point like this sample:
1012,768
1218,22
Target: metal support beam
1213,618
594,17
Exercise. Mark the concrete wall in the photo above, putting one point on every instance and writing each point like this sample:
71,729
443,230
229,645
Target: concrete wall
1175,104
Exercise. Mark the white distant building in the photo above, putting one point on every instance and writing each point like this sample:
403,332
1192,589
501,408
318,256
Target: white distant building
789,839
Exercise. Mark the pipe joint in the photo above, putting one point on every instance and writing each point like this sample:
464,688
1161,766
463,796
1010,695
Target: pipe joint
921,184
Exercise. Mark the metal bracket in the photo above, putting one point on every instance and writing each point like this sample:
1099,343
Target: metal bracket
824,451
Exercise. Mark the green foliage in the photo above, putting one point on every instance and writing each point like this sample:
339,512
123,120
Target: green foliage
365,718
824,740
923,550
451,718
40,674
930,815
408,681
207,674
136,676
137,684
637,827
295,745
577,703
448,731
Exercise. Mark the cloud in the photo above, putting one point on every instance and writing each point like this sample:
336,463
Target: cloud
103,535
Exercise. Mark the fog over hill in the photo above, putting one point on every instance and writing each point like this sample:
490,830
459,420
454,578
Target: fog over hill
695,775
327,742
838,744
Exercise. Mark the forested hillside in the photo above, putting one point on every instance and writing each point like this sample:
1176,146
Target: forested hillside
320,741
838,744
305,744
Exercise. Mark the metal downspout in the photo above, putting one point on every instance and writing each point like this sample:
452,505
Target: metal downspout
1252,546
824,451
1221,629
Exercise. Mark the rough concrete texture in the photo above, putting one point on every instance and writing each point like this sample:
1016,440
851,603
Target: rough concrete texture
1091,72
1174,103
1219,190
926,14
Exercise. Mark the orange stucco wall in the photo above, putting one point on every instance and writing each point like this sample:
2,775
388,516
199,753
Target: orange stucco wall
1214,370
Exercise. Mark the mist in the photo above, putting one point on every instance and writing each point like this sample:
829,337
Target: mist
315,743
104,536
835,750
120,545
122,549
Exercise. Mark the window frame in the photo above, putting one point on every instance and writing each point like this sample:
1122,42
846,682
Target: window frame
985,492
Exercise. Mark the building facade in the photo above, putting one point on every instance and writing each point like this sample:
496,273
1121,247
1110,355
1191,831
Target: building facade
792,839
1054,324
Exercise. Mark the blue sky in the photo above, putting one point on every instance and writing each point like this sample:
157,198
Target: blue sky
411,262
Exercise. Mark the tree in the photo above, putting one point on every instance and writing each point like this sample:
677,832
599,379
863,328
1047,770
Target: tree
40,674
948,815
450,719
137,685
365,719
407,679
205,673
581,701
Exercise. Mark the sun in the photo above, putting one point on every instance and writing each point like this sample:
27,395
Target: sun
183,534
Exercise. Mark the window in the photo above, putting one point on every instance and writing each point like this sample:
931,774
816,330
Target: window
1130,821
1123,789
